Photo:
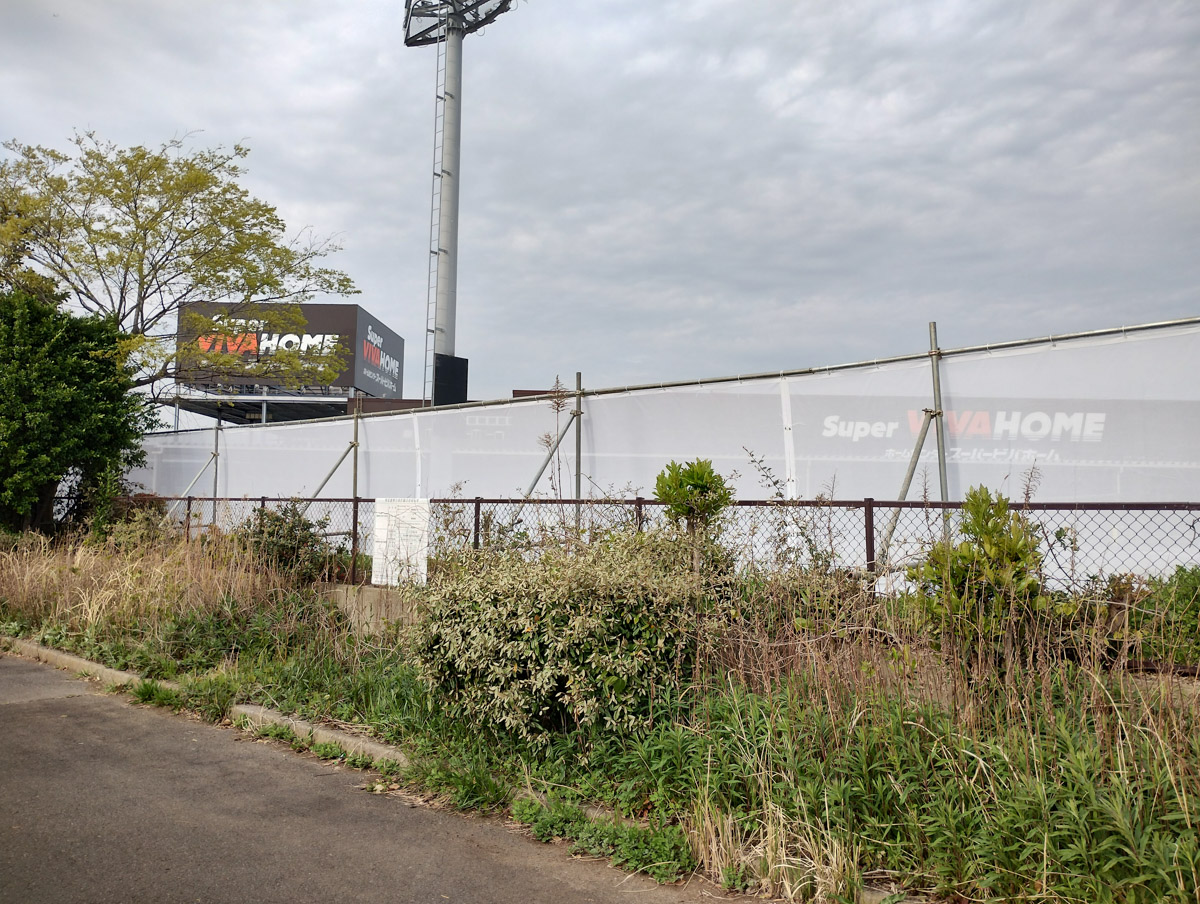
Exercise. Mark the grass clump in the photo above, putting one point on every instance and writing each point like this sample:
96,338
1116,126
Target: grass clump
328,750
154,693
661,852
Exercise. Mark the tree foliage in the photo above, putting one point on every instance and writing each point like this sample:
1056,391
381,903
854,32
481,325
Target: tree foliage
135,233
66,409
693,493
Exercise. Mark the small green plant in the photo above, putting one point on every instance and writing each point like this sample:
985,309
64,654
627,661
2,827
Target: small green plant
330,750
736,877
275,732
386,768
526,810
154,693
694,493
359,761
212,695
661,852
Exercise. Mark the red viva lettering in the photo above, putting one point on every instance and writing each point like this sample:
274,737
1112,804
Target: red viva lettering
372,352
1075,426
241,344
958,423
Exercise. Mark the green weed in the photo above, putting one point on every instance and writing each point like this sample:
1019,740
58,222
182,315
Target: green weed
153,693
330,750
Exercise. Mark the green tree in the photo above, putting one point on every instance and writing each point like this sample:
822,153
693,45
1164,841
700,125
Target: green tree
695,494
66,410
136,233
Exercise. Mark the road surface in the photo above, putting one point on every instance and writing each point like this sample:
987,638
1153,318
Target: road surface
104,801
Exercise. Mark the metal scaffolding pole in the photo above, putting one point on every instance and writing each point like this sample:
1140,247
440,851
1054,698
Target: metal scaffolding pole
935,356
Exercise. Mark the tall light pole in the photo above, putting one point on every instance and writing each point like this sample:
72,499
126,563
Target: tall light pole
445,23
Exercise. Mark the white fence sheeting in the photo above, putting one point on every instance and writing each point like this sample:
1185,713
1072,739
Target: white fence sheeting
1108,417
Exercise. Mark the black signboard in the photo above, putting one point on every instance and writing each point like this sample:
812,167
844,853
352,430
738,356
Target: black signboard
372,355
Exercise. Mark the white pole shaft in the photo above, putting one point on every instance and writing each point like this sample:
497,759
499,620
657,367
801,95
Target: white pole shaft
447,275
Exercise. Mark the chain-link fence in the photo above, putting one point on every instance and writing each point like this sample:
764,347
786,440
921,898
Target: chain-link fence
1079,542
338,530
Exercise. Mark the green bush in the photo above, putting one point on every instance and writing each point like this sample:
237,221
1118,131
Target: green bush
985,590
288,541
577,638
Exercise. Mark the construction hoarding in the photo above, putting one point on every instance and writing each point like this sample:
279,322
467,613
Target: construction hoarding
1112,416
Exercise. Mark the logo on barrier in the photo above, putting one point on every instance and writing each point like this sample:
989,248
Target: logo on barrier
1055,426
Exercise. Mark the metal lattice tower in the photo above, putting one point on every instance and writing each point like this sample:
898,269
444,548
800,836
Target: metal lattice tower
445,23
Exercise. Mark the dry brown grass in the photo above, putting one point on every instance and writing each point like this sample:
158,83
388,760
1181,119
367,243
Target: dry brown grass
77,584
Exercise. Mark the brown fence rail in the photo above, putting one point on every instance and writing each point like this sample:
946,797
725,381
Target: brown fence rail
1081,542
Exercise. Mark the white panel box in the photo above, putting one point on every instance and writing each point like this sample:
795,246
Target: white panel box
402,535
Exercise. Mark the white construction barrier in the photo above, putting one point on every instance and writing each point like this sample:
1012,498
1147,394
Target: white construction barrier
1110,416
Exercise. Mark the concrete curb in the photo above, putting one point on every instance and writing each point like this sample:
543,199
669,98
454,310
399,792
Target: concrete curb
243,713
72,663
257,716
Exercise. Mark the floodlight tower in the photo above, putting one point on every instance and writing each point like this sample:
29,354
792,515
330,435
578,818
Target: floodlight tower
445,23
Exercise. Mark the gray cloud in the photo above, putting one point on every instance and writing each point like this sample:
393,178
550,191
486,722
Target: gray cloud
663,191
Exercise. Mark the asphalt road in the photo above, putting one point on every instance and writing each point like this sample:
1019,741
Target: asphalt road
105,801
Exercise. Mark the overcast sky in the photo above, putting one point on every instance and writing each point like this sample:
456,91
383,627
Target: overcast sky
664,190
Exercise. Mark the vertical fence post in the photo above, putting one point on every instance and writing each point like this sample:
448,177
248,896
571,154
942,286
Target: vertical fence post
478,508
216,460
262,502
354,540
637,510
935,355
187,524
354,494
869,529
578,450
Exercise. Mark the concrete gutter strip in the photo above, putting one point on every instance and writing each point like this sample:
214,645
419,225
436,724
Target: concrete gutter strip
257,716
248,714
72,663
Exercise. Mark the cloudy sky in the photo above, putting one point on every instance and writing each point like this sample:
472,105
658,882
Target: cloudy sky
665,190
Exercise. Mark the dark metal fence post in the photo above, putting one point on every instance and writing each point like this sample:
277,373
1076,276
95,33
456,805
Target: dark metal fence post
869,528
262,502
478,516
187,524
637,509
354,541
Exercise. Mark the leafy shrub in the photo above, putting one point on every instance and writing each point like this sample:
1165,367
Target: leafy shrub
288,541
694,493
986,589
583,639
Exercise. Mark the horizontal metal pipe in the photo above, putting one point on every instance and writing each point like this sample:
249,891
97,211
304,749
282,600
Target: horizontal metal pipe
762,503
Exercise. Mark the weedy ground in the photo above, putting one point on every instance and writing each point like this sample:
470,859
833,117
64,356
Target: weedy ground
806,740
